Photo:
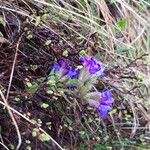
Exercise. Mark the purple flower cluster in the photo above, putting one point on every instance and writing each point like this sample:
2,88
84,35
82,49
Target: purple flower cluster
63,70
102,101
93,66
92,69
105,104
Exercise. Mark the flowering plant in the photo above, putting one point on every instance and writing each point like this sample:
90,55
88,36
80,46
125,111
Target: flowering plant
82,82
102,101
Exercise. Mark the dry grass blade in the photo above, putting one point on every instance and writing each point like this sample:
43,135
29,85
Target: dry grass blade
13,119
13,68
4,146
134,118
123,3
117,132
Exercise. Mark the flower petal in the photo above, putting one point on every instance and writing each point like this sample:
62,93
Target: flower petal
93,66
107,98
103,110
56,68
73,73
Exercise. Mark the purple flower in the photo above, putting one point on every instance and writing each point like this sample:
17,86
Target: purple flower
106,103
66,73
60,68
56,67
73,73
63,64
93,66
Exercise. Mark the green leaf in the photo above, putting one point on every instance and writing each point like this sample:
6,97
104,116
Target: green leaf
69,121
65,53
122,24
43,137
112,1
48,42
82,53
40,80
34,133
32,88
44,17
37,21
11,146
65,97
2,21
29,36
103,147
28,148
84,135
114,111
83,147
44,105
121,50
51,82
48,91
17,99
72,81
59,107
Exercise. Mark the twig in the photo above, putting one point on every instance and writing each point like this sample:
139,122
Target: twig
13,68
4,146
13,119
134,118
118,69
140,57
7,95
